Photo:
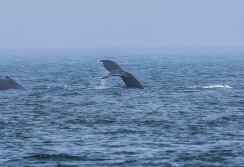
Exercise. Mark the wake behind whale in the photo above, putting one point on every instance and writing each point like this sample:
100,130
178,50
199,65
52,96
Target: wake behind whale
115,70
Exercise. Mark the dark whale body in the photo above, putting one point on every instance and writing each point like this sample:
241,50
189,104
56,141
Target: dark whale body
115,70
8,83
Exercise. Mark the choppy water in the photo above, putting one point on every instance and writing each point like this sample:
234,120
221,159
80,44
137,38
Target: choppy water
191,112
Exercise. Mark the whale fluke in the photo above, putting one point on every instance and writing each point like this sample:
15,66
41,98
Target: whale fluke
8,83
112,67
115,70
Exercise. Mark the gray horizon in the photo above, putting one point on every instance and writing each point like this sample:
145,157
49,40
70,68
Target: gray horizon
127,23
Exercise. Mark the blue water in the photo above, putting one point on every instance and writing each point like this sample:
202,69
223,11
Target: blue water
191,112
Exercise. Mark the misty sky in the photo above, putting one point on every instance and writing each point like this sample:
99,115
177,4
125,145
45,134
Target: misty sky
121,23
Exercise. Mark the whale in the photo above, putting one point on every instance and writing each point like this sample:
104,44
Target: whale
115,70
8,83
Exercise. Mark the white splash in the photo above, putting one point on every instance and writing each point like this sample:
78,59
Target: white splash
103,84
217,86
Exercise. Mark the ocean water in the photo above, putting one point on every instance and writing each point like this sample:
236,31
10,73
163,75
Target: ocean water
191,112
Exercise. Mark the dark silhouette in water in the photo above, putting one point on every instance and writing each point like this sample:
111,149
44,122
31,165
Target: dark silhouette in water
115,70
8,83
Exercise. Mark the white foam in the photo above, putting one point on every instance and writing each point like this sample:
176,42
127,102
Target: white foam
214,86
217,86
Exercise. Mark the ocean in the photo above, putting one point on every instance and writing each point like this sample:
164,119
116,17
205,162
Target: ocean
190,112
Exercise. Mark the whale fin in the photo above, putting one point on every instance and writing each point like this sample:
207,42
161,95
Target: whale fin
9,83
115,70
129,80
112,67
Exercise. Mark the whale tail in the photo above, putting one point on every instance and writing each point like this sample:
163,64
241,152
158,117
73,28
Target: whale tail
115,70
112,67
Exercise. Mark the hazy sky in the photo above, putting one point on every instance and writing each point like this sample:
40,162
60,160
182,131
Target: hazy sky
121,23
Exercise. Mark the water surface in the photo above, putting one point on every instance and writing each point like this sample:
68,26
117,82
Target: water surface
189,114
